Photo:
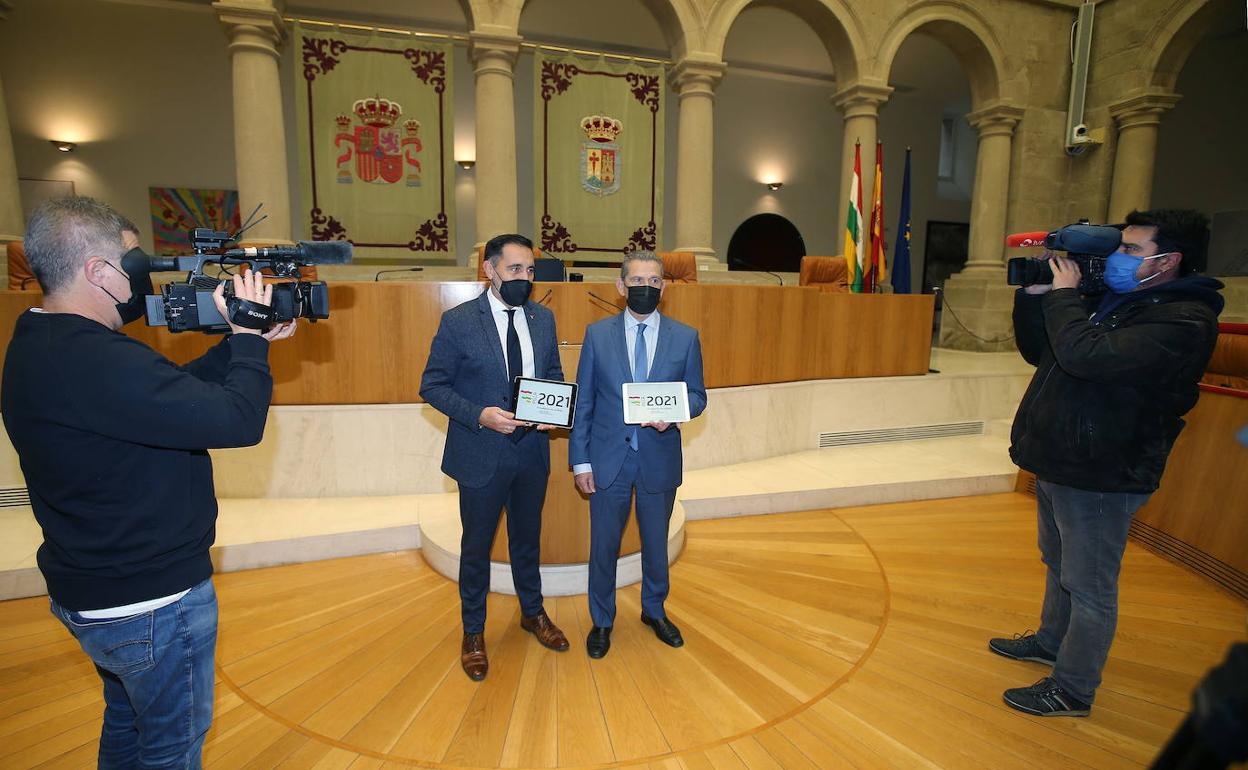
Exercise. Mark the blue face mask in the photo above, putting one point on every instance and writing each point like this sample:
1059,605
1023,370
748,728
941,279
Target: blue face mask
1120,271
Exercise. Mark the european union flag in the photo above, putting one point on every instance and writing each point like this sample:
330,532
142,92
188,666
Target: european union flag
901,251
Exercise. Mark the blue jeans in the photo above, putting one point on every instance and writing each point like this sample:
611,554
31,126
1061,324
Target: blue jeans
157,669
1082,537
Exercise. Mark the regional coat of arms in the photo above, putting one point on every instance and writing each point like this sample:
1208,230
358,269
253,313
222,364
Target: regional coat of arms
601,157
381,151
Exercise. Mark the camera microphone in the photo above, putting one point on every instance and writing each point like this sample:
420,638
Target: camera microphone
307,252
1026,240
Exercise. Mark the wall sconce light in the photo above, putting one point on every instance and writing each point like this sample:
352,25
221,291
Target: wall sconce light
773,186
62,146
466,164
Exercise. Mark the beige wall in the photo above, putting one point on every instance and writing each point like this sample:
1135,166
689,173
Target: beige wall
145,88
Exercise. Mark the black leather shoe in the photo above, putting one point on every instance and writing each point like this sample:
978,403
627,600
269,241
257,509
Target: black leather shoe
667,631
598,642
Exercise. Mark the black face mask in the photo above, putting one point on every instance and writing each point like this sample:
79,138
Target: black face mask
642,300
136,266
515,292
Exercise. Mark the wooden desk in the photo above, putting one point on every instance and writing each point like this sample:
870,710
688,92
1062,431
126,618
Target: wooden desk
373,348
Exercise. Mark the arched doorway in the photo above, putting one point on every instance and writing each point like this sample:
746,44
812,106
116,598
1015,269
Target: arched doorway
766,242
1207,175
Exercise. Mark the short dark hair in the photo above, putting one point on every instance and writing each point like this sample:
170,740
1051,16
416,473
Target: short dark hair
494,246
1183,230
64,232
639,256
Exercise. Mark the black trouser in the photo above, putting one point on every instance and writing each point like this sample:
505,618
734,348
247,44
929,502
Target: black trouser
519,483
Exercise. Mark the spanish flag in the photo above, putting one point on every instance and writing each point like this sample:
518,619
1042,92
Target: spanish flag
853,226
875,269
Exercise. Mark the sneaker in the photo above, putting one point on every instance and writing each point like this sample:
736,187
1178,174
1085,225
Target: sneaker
1046,699
1022,647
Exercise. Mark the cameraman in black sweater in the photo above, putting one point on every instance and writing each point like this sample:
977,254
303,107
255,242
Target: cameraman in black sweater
113,441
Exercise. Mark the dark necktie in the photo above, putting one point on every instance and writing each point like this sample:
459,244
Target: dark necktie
640,364
515,366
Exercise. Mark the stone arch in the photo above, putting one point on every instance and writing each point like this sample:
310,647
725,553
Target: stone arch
677,18
469,7
967,34
1174,36
834,21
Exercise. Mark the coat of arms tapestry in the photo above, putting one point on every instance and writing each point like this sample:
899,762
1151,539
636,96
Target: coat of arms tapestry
599,155
374,115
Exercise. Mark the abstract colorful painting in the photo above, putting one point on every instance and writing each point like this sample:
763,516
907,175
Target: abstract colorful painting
177,210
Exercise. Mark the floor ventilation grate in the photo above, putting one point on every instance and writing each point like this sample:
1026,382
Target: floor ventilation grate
909,433
14,497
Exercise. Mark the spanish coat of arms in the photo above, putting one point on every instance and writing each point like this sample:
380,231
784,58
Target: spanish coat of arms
381,151
601,158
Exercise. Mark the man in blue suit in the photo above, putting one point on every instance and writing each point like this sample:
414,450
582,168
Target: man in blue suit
611,459
479,350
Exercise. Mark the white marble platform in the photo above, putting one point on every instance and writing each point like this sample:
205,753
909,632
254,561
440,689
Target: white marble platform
336,481
262,532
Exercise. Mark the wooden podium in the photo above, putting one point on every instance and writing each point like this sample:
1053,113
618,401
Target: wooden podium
373,349
565,517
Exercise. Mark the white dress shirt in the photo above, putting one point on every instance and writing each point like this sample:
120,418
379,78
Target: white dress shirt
498,309
630,341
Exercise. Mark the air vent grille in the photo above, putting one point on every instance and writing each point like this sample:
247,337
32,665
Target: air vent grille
909,433
14,497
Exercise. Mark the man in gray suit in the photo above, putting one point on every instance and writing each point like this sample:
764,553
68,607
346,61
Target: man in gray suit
481,347
613,460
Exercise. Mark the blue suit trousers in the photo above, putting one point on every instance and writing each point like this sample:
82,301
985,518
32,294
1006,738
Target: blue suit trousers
608,511
519,484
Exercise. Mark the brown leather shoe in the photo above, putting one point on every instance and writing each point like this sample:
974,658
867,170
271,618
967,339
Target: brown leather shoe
546,632
472,657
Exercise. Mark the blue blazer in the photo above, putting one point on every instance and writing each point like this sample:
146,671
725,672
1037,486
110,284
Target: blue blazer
467,372
600,435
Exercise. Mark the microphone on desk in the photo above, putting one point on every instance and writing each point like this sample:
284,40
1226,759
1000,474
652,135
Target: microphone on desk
26,281
545,296
756,268
608,303
380,273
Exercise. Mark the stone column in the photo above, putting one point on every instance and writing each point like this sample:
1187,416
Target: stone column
12,223
860,103
694,81
992,187
494,60
1138,117
978,303
256,32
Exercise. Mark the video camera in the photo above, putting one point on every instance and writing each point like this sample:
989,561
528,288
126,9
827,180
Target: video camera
188,305
1088,245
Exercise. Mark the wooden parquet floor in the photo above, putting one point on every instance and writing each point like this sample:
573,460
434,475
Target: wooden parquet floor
825,639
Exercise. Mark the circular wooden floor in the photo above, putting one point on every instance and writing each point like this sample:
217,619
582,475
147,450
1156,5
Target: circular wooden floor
363,655
824,639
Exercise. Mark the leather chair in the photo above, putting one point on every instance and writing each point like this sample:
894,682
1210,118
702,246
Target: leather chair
827,273
537,254
21,277
679,266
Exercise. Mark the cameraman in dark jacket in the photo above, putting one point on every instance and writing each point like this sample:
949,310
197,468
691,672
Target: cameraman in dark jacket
1114,376
112,438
